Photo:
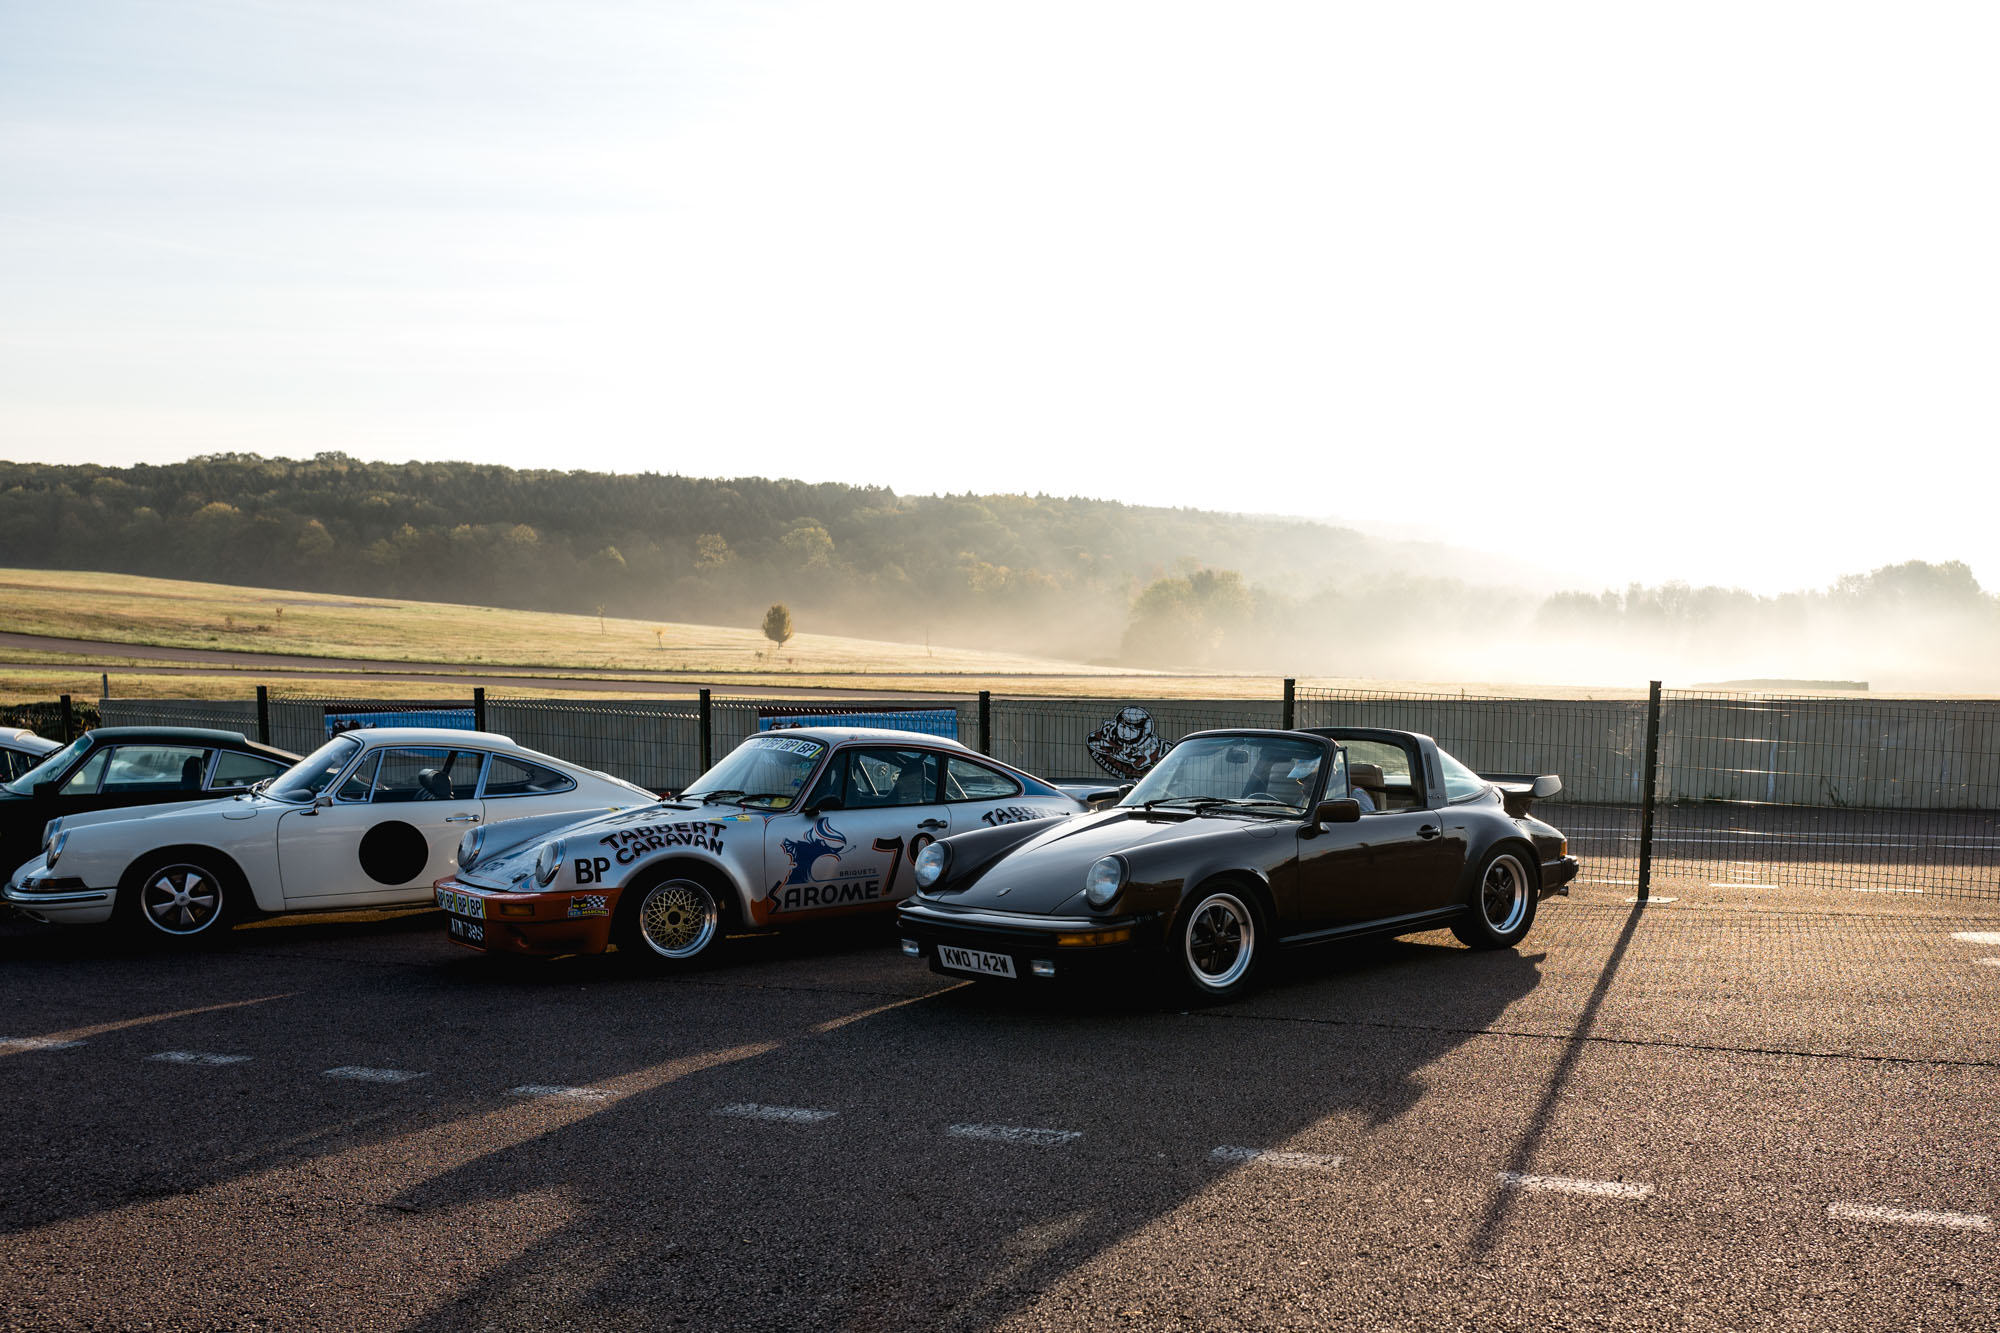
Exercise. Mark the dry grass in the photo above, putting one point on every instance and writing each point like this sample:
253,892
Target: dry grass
557,649
122,608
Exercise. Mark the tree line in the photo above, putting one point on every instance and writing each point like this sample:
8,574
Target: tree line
1078,578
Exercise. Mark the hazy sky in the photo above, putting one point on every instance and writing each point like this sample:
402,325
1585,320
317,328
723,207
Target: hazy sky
1696,290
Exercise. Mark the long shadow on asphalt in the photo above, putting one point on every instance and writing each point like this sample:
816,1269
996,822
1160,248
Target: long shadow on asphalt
895,1212
879,1217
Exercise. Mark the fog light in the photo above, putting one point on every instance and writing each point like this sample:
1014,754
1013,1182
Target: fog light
1042,967
514,909
913,949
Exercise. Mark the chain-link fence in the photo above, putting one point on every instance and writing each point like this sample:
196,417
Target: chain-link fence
1866,794
1870,795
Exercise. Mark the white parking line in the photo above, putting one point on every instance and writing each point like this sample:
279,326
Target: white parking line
1605,1189
557,1090
1284,1161
1040,1138
363,1074
1977,936
38,1043
797,1115
197,1058
1858,1212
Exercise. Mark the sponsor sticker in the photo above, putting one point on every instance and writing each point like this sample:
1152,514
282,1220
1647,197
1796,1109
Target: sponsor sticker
588,904
461,904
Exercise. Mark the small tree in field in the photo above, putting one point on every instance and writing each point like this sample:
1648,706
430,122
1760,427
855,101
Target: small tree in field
778,624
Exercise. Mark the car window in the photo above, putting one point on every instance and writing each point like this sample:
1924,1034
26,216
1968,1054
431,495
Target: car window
136,768
1460,782
1399,789
84,781
967,781
361,782
427,775
872,779
49,767
233,768
517,777
14,764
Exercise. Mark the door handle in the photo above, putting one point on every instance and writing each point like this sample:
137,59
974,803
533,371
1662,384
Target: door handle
933,823
1429,831
461,819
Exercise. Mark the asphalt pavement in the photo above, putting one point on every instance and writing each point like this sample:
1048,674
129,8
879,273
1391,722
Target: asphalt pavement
1722,1112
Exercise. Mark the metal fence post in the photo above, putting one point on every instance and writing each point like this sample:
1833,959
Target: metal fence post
986,722
263,715
1291,703
707,734
479,708
69,721
1649,792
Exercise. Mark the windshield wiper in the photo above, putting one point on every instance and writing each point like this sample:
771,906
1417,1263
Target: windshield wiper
719,794
1191,802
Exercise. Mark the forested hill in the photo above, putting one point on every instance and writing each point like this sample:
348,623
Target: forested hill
1074,578
660,545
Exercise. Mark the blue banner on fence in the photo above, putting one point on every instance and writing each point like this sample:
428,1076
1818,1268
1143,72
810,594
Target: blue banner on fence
456,719
926,721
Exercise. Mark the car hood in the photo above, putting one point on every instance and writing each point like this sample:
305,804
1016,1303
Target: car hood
625,828
1045,873
227,807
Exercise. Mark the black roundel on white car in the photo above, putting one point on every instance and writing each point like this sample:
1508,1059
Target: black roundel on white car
394,852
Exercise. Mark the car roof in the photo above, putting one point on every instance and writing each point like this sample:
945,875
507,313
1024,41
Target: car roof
28,740
875,735
188,736
432,736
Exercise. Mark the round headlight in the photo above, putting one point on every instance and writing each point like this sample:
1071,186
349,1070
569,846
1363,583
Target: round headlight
470,845
930,864
57,840
548,861
1102,882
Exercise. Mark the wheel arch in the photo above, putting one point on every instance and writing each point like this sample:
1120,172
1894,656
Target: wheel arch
647,873
1240,877
1515,842
239,883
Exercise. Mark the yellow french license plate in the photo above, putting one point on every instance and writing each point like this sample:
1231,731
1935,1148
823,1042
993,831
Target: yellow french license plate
461,904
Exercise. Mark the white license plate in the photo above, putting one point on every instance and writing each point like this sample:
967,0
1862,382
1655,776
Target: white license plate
976,961
461,904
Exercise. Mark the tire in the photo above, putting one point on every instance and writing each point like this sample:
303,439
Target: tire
1502,902
181,900
1218,945
673,921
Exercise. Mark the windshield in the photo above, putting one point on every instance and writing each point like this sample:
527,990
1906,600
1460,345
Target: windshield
309,777
49,768
765,770
1251,771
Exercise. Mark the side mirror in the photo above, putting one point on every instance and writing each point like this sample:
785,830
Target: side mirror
1347,810
323,801
827,803
45,788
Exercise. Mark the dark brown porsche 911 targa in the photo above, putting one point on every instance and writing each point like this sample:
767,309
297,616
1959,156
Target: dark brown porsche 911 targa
1238,843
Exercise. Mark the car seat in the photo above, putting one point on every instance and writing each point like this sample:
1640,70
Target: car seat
1368,778
437,786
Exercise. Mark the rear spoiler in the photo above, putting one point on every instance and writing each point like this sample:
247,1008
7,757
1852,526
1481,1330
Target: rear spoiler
1094,795
1521,790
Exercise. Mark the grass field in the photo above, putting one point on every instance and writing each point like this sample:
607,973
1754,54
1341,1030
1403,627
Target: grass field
325,631
125,608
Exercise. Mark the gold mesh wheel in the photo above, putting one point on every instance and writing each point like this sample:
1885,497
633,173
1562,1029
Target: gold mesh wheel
679,918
